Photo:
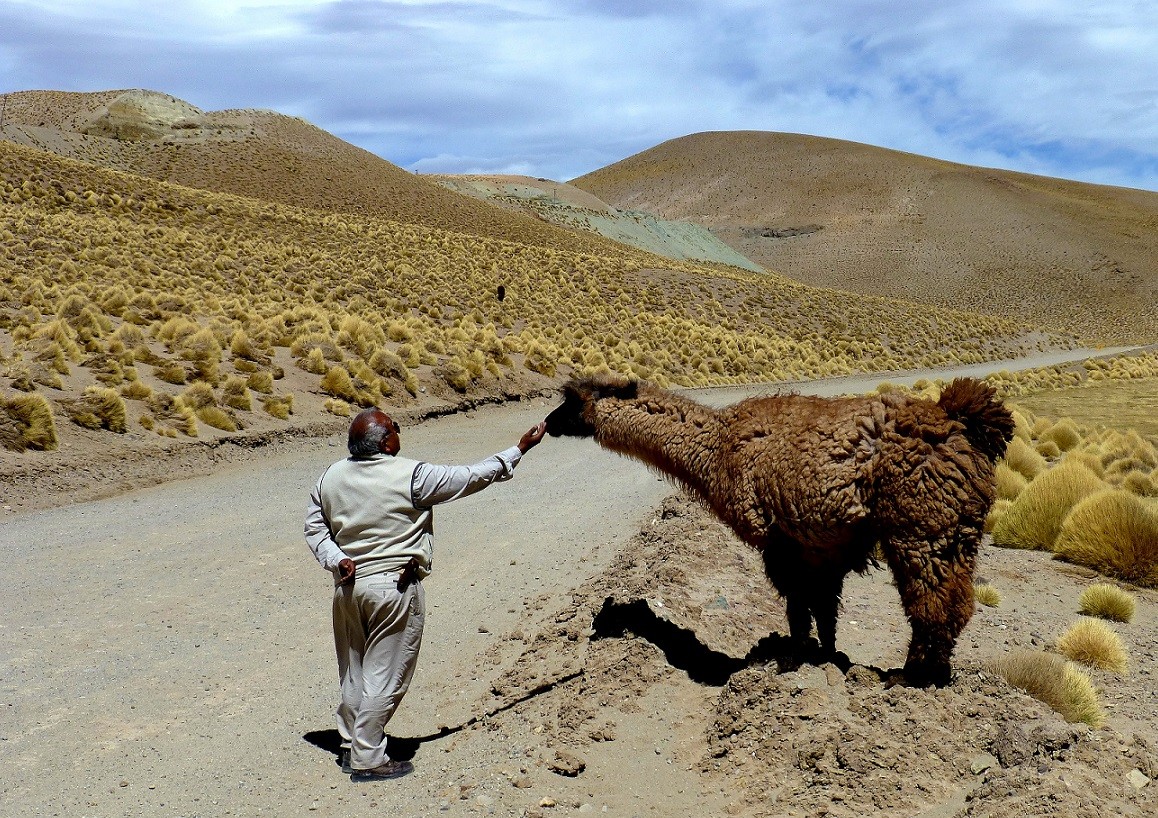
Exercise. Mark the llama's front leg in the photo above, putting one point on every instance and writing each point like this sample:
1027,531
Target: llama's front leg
936,584
825,606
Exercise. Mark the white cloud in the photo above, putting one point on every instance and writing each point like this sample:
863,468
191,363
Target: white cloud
1062,87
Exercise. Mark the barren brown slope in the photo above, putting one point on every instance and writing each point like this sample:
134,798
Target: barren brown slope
851,216
257,154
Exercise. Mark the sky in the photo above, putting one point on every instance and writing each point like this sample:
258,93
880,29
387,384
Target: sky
1065,88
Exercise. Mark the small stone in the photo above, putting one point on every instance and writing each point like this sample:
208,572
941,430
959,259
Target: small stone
522,782
547,802
565,763
587,808
124,783
981,763
1138,779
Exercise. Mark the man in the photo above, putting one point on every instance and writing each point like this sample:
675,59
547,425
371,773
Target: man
369,522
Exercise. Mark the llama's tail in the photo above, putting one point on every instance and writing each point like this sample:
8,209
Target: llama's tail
988,423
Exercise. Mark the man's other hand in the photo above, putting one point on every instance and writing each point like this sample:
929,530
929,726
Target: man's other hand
346,571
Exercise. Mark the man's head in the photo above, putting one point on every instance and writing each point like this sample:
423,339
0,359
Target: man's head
373,432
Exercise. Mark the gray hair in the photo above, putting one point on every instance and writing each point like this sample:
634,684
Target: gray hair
367,433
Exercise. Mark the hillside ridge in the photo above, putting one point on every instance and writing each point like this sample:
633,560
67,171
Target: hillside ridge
832,213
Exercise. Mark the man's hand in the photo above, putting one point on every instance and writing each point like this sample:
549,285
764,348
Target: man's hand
532,436
346,571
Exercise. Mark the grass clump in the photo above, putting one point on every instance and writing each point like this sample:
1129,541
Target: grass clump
280,407
101,407
1064,435
136,390
261,381
987,595
26,423
1035,518
171,372
1108,602
1094,643
338,383
1052,680
337,406
235,393
198,395
171,416
218,418
1010,483
1024,459
1113,532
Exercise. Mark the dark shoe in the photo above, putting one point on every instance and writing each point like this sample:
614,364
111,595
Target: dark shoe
344,762
391,769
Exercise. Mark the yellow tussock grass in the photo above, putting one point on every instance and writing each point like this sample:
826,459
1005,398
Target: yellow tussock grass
1024,459
1010,483
1064,434
280,407
199,395
218,418
260,382
235,393
986,595
1035,517
1053,681
26,423
337,382
136,390
1108,602
1093,643
1113,532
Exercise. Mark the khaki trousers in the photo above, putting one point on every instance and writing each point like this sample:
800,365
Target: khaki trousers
377,634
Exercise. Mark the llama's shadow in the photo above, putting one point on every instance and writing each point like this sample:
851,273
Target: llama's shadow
683,649
680,646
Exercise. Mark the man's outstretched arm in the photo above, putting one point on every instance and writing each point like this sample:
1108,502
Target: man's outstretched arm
434,484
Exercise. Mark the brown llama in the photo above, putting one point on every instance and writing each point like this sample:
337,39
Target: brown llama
814,483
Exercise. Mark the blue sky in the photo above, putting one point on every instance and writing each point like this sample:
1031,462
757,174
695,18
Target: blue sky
1064,88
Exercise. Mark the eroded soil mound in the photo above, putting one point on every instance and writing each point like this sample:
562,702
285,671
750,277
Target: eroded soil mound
686,608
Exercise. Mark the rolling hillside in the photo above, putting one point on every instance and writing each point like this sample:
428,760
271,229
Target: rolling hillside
840,214
257,154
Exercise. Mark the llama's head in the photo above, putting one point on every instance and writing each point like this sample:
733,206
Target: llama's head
575,417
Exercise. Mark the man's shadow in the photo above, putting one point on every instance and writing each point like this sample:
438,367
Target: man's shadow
399,749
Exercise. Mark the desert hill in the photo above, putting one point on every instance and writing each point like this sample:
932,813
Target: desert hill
258,154
570,207
839,214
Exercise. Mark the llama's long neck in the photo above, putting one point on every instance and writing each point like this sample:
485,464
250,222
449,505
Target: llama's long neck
672,434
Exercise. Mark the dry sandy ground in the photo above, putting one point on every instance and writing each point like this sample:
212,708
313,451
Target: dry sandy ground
166,653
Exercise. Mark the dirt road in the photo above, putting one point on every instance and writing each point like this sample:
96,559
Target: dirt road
167,651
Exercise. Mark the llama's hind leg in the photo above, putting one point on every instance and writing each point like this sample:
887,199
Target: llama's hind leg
935,579
816,598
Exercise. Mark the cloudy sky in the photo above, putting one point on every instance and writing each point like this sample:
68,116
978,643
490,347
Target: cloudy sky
1060,87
